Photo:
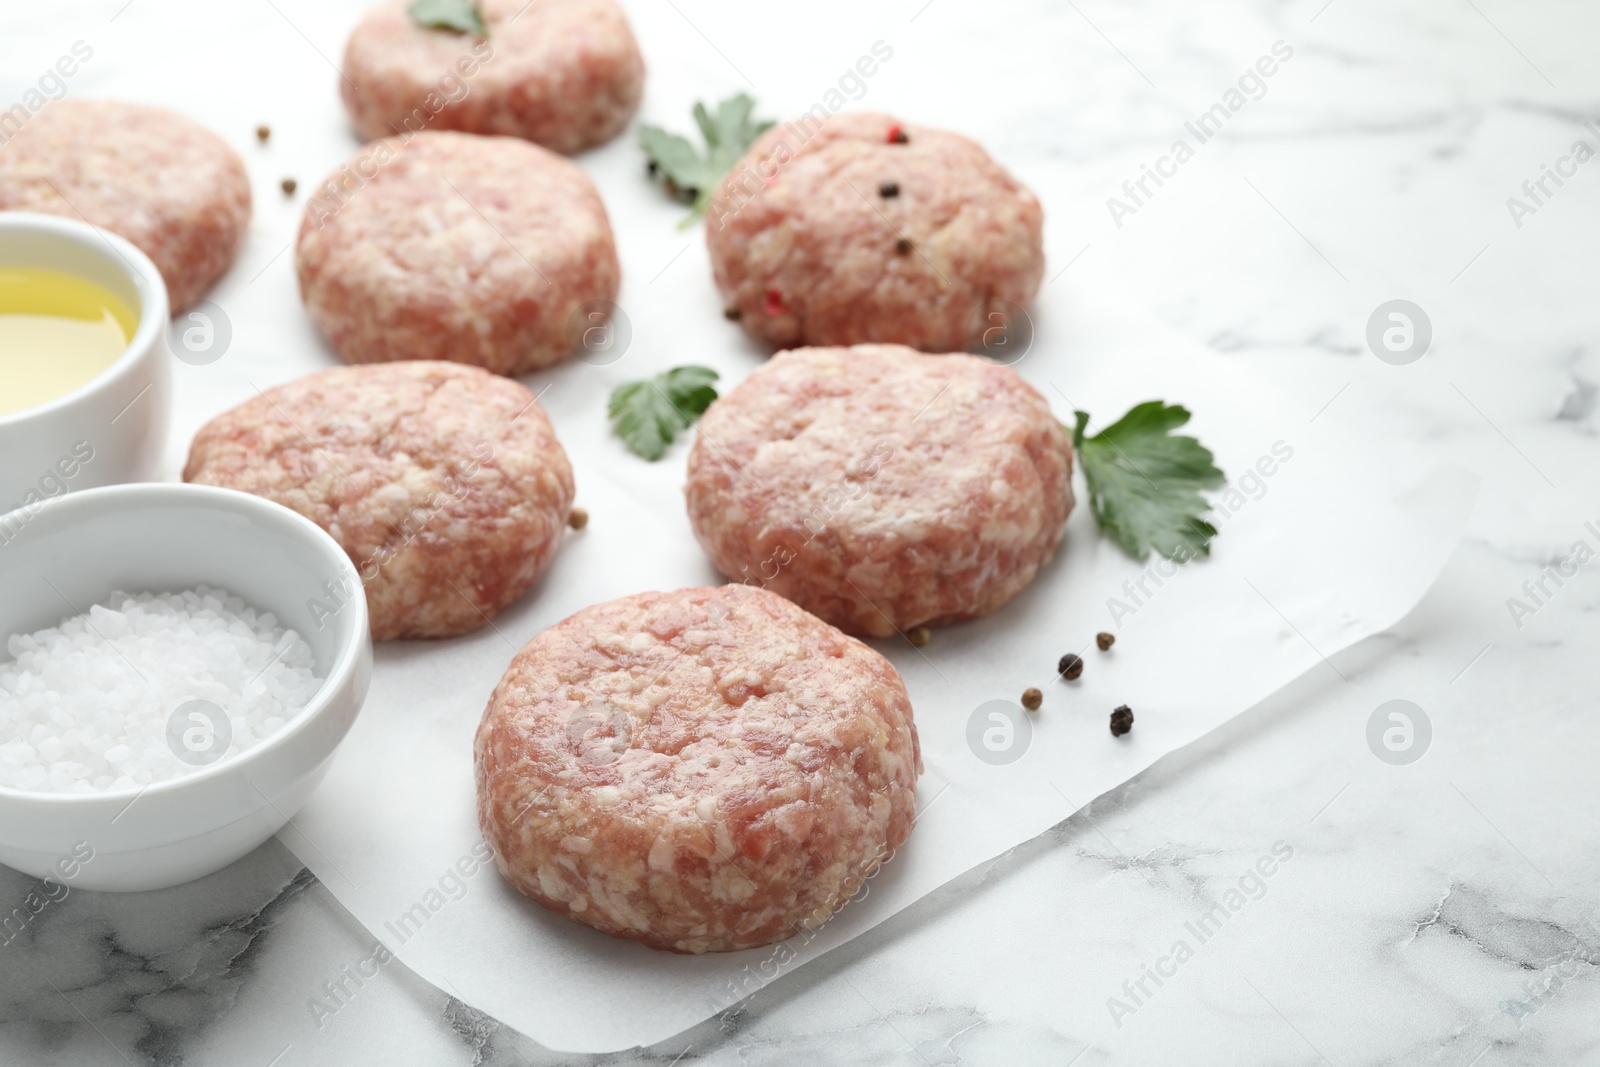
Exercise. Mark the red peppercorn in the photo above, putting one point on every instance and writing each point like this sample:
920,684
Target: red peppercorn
897,135
774,302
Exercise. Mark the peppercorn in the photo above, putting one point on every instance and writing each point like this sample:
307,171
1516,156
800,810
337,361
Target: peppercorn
262,133
1121,720
691,193
289,186
897,135
1105,640
889,190
578,518
732,314
774,304
919,635
1070,667
903,246
1031,699
650,168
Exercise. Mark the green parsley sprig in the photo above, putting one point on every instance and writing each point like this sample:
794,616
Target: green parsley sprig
649,414
1145,483
460,16
682,168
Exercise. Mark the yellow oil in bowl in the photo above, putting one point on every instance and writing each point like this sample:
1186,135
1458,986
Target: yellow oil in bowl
57,331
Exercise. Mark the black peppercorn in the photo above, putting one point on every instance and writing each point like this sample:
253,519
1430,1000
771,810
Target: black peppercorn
732,314
1070,667
1121,720
889,190
903,246
1105,640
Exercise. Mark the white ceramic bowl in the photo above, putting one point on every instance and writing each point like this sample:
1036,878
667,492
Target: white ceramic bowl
113,428
166,538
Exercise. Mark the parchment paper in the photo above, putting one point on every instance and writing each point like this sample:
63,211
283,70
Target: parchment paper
1338,542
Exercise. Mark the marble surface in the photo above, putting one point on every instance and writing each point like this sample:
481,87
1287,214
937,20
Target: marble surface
1446,911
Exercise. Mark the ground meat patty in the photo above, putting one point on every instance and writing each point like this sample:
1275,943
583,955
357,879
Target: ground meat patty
564,73
172,188
869,229
700,771
445,484
881,488
447,246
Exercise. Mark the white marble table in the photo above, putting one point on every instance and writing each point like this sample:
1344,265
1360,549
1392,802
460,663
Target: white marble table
1441,912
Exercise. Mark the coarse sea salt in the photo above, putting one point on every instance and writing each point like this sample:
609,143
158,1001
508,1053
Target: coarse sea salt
94,703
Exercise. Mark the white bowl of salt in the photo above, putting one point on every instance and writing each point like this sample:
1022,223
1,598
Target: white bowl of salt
180,663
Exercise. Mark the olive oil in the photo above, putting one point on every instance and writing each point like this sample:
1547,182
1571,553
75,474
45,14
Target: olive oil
57,331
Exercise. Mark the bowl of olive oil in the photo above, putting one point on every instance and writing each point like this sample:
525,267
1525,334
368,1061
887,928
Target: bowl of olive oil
84,375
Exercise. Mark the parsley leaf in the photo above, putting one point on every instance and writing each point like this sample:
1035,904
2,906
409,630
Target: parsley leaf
684,171
648,414
461,16
1144,483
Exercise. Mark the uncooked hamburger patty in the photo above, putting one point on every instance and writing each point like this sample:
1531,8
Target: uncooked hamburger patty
564,73
444,484
449,246
881,488
700,771
174,189
854,235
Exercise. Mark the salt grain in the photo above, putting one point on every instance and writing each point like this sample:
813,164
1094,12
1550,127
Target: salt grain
85,705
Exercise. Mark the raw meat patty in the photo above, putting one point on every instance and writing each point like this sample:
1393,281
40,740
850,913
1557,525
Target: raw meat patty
564,73
171,187
851,235
449,246
700,771
445,484
881,488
